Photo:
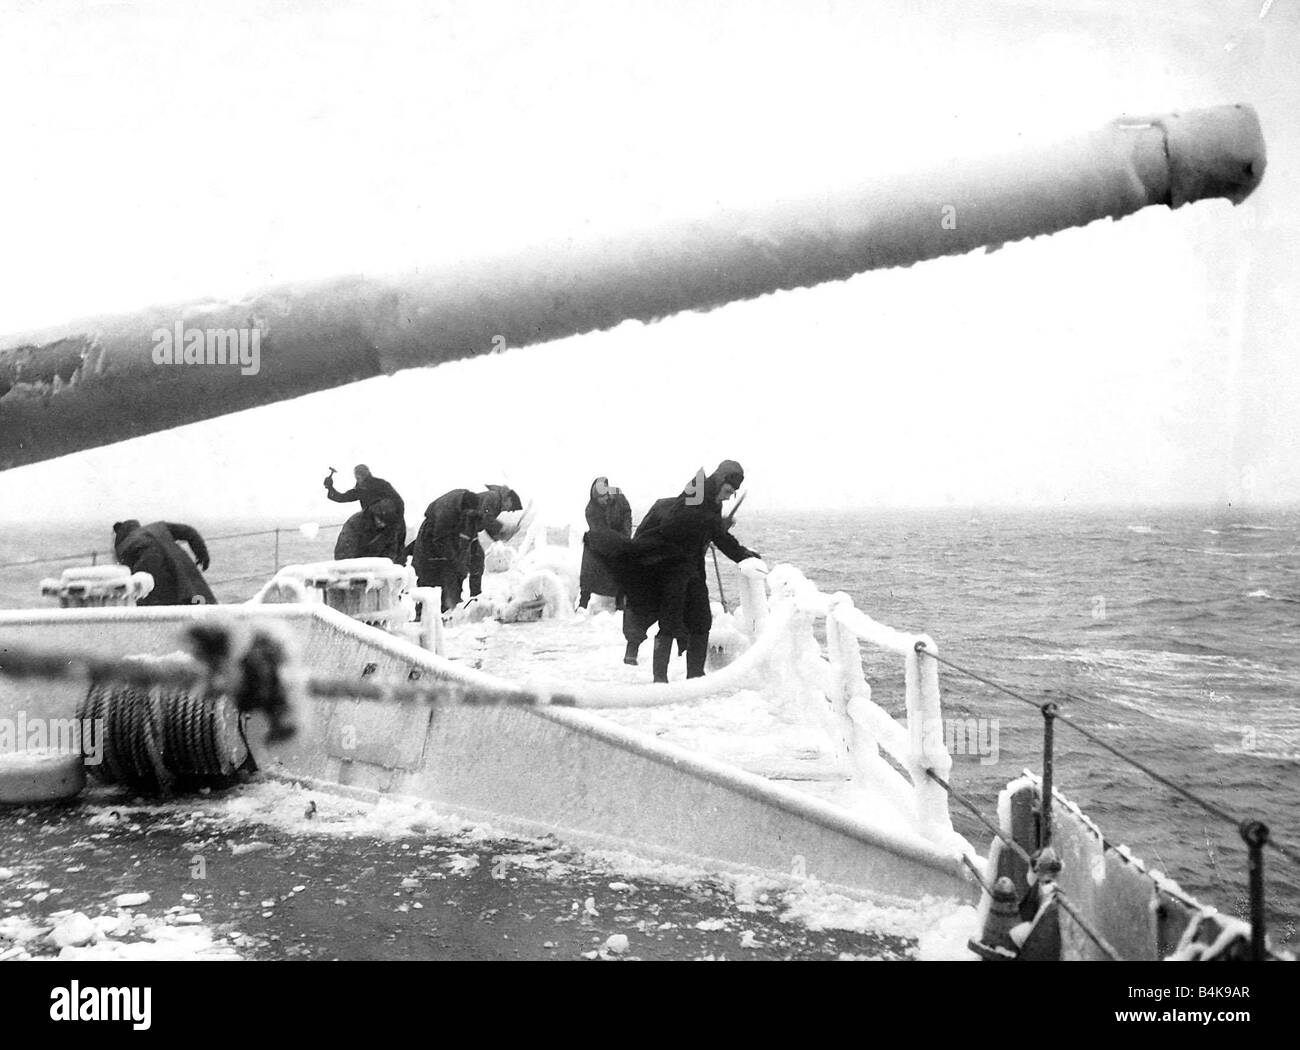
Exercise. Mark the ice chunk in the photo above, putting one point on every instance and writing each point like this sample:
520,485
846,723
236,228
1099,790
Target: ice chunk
73,930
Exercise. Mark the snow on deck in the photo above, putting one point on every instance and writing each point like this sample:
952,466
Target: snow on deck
276,870
742,727
758,731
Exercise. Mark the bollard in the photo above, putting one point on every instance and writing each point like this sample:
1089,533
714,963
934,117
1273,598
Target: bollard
995,941
1049,710
1255,834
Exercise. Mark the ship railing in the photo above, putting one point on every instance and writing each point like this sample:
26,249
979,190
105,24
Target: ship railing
835,683
277,541
1205,935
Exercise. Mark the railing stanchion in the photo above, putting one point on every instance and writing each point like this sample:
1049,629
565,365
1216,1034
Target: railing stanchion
925,736
94,557
1049,710
1255,834
277,551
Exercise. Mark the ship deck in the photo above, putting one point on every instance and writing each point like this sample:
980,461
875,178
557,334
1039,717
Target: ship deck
284,867
276,871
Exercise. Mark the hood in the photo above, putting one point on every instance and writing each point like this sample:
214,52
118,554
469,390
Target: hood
509,497
728,471
128,539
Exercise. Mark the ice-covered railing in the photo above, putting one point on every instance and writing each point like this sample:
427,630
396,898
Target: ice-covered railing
827,685
373,590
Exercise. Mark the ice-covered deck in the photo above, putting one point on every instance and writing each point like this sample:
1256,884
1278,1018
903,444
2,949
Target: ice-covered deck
689,781
739,726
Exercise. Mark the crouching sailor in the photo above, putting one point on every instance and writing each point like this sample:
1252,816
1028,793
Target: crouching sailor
441,551
378,529
492,502
154,549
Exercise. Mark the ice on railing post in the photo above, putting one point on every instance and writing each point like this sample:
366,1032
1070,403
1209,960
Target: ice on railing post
850,700
431,629
845,651
753,604
925,736
848,682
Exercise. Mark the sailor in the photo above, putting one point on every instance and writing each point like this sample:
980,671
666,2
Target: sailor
664,572
368,490
378,530
441,550
493,501
607,508
154,549
641,603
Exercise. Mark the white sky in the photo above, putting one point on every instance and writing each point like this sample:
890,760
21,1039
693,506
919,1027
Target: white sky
157,152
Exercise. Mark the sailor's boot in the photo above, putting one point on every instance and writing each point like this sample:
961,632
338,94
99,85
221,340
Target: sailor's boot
696,653
629,657
663,653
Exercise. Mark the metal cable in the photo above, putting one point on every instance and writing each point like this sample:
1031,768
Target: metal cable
1286,851
210,539
954,793
1096,938
976,872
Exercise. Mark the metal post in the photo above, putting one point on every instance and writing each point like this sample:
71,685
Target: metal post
1255,834
1045,810
277,551
722,595
94,557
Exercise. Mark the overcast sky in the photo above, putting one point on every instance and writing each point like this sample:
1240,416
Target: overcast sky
158,152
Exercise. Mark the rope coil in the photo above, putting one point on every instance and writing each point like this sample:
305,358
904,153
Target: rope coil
154,739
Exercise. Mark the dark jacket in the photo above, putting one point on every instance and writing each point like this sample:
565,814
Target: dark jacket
379,532
367,492
654,517
670,543
678,531
450,524
154,549
615,517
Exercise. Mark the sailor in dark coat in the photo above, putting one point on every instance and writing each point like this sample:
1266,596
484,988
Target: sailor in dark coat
607,509
641,605
442,546
378,530
492,503
663,566
154,549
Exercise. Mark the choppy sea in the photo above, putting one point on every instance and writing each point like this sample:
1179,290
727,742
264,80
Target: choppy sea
1173,633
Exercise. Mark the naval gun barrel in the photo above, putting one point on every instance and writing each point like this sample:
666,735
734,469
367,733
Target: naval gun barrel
96,382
